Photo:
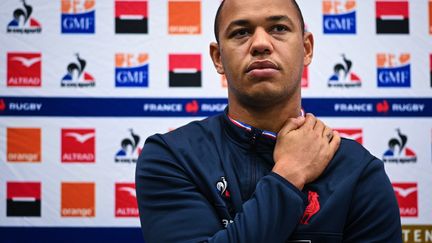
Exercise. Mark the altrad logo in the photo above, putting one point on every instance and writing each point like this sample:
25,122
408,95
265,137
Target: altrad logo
23,22
406,195
78,145
398,152
125,200
24,69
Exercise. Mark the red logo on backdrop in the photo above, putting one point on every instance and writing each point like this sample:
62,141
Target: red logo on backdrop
353,134
406,194
24,69
185,70
125,202
2,105
382,107
392,16
192,107
23,199
78,145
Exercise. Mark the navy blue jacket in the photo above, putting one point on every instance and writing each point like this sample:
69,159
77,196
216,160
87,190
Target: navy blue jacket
211,181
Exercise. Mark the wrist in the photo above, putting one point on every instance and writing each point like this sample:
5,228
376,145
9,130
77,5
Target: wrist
296,179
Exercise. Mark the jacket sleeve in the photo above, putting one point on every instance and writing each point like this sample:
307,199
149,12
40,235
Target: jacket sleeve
374,214
172,209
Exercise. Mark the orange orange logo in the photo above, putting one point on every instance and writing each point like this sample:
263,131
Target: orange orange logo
23,144
77,199
184,17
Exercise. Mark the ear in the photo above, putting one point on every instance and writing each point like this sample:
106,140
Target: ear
215,55
308,42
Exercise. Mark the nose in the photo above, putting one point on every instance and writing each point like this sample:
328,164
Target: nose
261,43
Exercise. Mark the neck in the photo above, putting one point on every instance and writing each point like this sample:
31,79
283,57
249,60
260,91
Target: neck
270,118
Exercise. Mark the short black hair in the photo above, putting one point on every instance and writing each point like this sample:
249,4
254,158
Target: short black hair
219,10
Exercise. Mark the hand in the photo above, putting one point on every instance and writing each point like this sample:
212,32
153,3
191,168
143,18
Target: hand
304,147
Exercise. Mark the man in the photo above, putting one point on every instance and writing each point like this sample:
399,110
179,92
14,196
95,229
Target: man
261,172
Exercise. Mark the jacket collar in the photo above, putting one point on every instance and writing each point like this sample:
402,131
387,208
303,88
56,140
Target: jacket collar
247,136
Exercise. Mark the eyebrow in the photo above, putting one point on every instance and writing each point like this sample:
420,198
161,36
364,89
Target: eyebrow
245,22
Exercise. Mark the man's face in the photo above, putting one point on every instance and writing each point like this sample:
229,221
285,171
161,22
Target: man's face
262,50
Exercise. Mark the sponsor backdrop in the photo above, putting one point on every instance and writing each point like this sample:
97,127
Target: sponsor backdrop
84,82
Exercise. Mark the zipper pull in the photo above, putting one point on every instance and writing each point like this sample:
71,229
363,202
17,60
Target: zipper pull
255,134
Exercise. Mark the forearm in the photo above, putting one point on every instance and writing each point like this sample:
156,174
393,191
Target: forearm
271,215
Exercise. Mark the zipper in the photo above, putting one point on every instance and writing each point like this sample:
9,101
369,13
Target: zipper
255,134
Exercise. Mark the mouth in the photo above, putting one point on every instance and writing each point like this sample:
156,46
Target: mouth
262,68
261,65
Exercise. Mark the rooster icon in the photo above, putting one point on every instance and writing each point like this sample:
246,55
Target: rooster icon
75,70
312,208
128,145
22,19
21,16
396,144
76,74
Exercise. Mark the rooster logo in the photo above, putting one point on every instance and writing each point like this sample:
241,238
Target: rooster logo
2,105
397,150
398,145
22,19
76,74
21,15
129,146
312,208
222,187
343,75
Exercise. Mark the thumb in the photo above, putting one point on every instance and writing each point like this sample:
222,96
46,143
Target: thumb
292,124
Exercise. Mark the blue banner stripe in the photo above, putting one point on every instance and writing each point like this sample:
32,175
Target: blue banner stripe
70,234
202,107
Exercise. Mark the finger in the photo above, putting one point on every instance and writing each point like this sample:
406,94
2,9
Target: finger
328,132
291,124
310,121
335,142
319,126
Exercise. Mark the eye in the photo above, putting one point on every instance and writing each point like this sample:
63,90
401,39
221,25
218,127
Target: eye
240,33
279,28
